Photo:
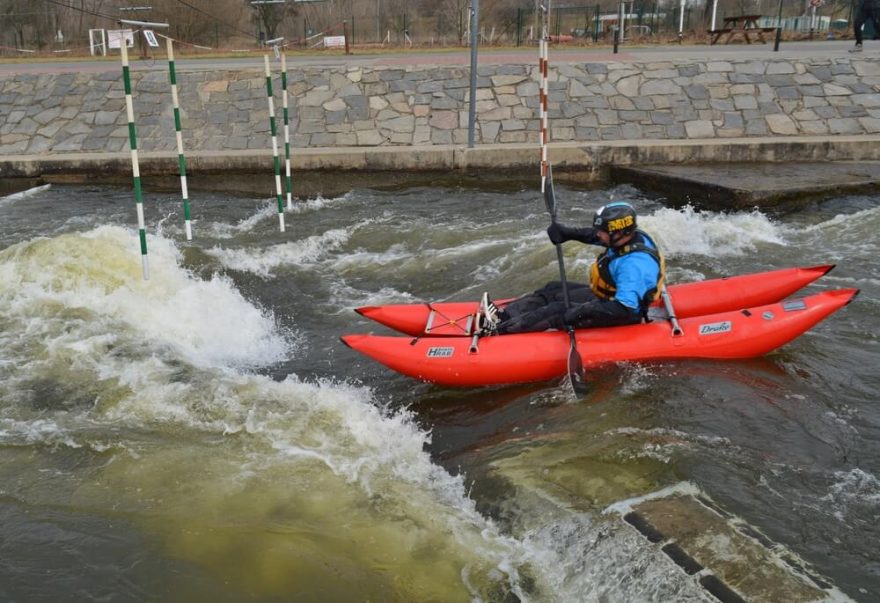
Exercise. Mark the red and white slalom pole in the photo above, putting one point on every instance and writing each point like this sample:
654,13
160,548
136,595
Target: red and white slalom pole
543,93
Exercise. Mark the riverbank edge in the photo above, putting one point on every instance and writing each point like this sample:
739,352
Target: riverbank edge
589,162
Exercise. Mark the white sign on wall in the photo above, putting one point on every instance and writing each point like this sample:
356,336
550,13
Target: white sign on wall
334,41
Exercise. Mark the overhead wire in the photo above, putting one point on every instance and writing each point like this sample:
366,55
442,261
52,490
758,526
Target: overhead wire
214,17
83,10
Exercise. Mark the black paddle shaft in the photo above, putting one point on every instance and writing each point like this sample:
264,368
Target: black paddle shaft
575,364
550,201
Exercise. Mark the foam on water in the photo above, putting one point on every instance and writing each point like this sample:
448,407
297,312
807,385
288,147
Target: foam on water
97,275
841,223
357,259
346,297
843,237
264,260
223,230
31,192
688,231
318,203
855,488
89,349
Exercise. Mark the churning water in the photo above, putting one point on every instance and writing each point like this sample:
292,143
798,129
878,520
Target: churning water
204,436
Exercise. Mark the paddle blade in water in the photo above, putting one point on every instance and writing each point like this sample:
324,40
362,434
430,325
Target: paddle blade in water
576,373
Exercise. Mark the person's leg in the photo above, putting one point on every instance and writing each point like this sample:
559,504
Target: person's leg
539,319
578,293
861,17
532,301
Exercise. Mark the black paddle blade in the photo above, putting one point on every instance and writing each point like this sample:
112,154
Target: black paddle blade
576,375
549,193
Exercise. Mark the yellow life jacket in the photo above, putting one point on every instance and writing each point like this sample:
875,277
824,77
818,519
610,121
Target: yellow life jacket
601,281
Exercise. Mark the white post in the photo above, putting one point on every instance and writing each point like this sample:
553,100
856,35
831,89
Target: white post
681,20
714,13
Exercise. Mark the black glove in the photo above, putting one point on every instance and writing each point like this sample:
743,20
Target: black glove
560,233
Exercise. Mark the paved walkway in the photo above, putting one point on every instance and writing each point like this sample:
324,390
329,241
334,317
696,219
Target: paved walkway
487,56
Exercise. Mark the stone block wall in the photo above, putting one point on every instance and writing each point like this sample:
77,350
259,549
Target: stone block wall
428,105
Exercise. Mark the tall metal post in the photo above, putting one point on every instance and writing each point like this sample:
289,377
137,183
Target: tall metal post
135,164
778,28
472,105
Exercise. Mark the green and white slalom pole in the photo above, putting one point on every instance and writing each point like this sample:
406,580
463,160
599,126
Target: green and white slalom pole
287,180
135,168
274,134
181,160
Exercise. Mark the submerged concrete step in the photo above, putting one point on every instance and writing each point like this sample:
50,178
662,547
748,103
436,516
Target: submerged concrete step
746,185
732,560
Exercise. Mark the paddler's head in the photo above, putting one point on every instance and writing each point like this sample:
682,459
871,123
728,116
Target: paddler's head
615,223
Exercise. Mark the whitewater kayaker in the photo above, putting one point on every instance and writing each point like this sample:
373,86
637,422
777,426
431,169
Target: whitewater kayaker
625,278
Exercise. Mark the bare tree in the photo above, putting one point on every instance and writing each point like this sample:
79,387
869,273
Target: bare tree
271,15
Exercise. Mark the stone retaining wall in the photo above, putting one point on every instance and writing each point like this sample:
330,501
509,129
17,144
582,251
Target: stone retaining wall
423,105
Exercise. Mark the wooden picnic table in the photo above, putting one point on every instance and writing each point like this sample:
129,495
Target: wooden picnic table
740,25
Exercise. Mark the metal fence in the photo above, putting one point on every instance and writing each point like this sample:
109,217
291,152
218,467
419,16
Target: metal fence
448,25
598,22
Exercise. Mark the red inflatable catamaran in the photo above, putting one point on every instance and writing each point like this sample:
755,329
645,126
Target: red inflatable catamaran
734,317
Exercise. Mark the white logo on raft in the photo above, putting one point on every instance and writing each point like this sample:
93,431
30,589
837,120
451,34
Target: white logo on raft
716,327
440,352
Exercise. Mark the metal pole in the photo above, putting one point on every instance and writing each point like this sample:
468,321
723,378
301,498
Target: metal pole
542,103
135,167
472,108
714,13
519,27
778,28
287,179
812,21
543,95
274,135
181,160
